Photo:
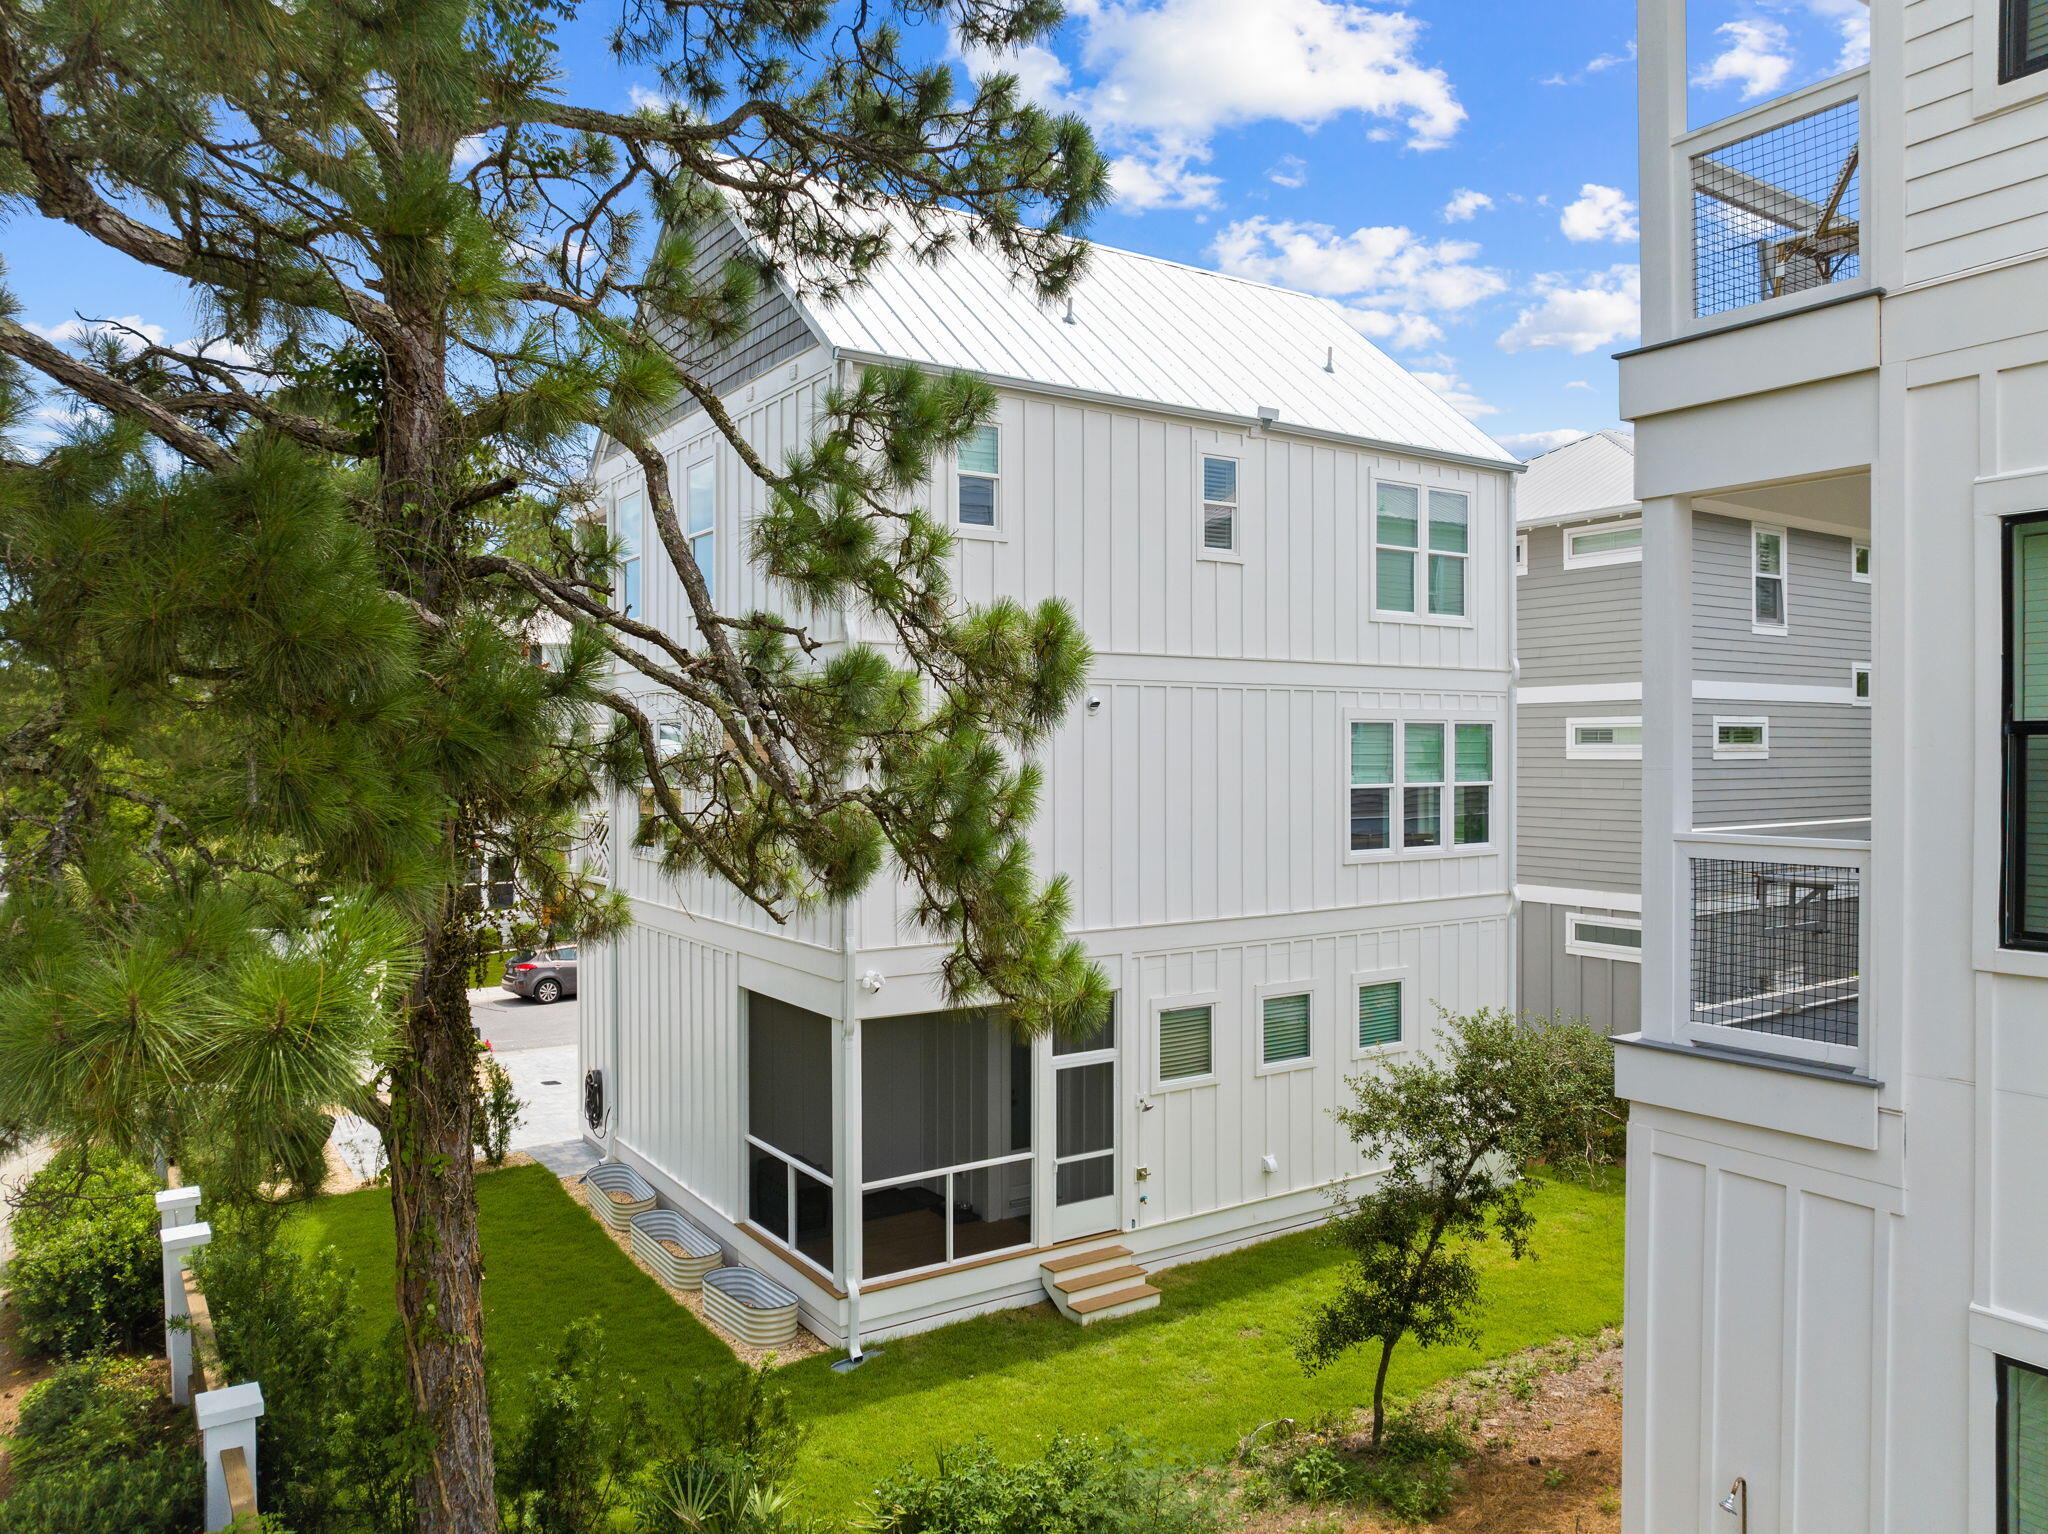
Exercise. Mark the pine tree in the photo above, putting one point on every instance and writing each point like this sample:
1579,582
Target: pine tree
265,673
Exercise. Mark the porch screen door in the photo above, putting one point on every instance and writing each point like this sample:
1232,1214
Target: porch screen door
1084,1147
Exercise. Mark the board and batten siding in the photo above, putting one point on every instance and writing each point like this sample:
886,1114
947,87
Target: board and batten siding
1101,507
1202,802
1607,993
1577,625
1818,769
1202,1145
1827,611
1581,822
1976,186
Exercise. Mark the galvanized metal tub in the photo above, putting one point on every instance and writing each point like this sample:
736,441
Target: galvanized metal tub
751,1306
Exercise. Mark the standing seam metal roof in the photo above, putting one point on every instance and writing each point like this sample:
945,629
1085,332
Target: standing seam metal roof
1594,474
1151,331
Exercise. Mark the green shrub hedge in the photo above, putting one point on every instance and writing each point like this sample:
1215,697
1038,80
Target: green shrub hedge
100,1450
86,1274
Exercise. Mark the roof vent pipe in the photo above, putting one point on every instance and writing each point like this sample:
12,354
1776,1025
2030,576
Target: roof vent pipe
1330,360
1069,316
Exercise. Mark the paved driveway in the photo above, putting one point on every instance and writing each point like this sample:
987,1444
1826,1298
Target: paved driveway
511,1022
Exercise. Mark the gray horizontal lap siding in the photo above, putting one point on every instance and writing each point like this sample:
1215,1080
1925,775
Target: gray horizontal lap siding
1827,611
1818,769
1583,625
1579,823
1607,993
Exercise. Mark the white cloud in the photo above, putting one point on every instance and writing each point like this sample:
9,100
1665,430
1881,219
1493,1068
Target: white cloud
1600,213
1758,57
1597,65
1458,395
1405,331
1391,279
472,149
1158,79
1580,314
1463,204
1162,180
1292,171
1578,383
74,331
645,100
1851,21
1527,444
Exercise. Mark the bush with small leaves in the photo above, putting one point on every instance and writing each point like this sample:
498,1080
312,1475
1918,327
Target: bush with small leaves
100,1450
85,1275
1079,1485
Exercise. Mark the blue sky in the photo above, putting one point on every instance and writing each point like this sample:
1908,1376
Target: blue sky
1459,175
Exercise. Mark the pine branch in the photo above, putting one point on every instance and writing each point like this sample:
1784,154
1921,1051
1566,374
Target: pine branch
111,394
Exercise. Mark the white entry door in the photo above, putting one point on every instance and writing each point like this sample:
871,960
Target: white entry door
1084,1140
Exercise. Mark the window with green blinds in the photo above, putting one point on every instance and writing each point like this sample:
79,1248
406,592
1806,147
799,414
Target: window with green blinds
1379,1014
1397,532
2026,733
1286,1029
1185,1046
2022,1448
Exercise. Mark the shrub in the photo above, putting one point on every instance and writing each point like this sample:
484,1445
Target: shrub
337,1446
576,1447
1079,1485
1412,1473
498,1110
99,1450
726,1463
86,1270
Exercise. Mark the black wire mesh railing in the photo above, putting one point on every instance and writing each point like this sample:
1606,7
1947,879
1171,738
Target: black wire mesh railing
1776,948
1778,212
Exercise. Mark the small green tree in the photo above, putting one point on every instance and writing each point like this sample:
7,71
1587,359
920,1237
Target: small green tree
1459,1135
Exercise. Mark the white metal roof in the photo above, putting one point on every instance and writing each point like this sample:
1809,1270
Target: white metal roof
1593,475
1154,331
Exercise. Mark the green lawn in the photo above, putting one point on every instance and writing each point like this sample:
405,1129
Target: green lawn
1210,1363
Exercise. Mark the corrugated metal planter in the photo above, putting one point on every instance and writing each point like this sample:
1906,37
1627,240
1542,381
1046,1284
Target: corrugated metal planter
618,1193
751,1306
680,1253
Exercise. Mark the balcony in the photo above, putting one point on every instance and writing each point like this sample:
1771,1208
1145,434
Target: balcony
1775,944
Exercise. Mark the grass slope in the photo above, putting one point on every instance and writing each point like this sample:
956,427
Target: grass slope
1209,1364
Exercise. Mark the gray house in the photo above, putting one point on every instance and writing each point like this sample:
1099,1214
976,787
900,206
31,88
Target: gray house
1781,694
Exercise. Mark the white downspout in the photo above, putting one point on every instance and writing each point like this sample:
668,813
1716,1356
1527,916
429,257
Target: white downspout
848,1161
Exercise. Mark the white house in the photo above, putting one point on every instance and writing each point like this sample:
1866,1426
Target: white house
1838,1214
1283,805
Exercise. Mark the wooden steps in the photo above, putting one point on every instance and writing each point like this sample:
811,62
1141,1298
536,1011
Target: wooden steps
1098,1284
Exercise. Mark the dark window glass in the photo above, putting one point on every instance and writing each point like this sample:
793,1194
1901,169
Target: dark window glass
2026,733
2024,47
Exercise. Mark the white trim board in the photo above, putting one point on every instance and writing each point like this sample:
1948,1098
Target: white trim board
1559,894
1704,690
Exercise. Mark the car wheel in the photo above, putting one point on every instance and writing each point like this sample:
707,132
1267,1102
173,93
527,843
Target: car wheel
547,990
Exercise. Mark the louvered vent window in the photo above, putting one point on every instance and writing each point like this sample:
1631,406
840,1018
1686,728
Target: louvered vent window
1219,503
1379,1014
1286,1030
1185,1048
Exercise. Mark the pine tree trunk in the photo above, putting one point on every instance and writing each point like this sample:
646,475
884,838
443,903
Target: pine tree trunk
440,1266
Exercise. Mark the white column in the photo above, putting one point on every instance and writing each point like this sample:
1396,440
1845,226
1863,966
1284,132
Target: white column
227,1420
177,1241
1666,208
1667,762
846,1160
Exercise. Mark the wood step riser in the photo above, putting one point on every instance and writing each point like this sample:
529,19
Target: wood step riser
1118,1312
1077,1284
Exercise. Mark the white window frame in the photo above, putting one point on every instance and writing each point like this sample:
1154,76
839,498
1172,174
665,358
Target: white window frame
630,585
1235,553
1593,561
1213,1000
667,733
1588,948
1365,977
1421,553
1261,1066
693,536
1521,553
1861,576
993,529
1757,531
1859,672
1595,752
1725,753
1448,845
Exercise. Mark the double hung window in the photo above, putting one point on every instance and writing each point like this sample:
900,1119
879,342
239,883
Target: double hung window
700,525
626,529
1420,562
1425,770
977,493
1219,504
1767,580
2026,733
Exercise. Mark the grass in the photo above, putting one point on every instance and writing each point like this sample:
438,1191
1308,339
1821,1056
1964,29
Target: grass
1210,1363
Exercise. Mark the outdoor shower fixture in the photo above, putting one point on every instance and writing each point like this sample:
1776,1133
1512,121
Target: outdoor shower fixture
1737,1502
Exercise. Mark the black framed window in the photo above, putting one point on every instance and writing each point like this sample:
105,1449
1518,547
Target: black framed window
2025,903
2023,47
2022,1448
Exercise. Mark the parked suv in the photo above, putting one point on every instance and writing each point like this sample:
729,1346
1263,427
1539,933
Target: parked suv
548,975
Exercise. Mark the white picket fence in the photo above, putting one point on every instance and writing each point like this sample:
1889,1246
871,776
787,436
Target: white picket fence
227,1416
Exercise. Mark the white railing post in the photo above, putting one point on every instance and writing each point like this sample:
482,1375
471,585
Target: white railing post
177,1206
178,1240
227,1421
